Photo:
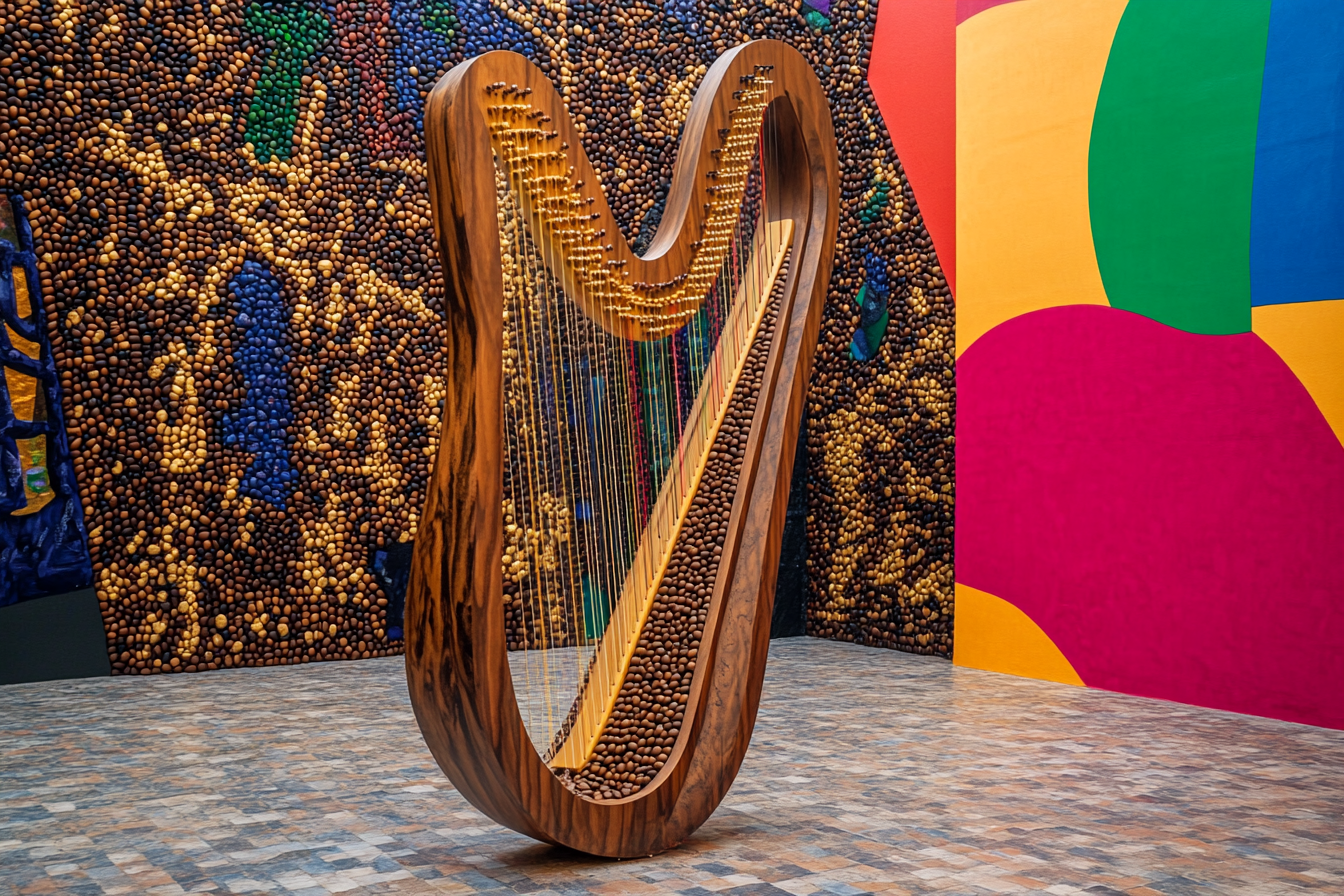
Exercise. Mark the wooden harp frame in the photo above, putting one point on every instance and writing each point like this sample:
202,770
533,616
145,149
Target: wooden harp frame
456,659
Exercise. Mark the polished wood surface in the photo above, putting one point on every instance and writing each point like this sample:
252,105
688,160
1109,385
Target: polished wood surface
457,665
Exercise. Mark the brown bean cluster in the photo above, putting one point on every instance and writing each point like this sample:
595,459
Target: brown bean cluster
647,717
163,149
880,433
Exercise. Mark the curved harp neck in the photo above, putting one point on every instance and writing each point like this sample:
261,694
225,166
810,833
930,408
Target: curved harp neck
587,252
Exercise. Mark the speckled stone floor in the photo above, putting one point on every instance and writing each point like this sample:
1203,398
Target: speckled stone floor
871,771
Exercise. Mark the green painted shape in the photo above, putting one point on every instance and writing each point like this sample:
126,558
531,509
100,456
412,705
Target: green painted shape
297,32
876,332
877,203
1172,160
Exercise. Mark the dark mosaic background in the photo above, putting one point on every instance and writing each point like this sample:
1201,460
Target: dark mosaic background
232,232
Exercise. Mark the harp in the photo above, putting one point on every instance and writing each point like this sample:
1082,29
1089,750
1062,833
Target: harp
590,598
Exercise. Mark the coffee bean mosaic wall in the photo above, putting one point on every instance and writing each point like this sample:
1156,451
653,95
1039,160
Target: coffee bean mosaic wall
230,216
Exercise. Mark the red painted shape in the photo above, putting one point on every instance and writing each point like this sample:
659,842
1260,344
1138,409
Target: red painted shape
968,8
1167,506
913,74
359,29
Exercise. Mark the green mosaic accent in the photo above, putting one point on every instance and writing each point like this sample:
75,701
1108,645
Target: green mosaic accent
297,32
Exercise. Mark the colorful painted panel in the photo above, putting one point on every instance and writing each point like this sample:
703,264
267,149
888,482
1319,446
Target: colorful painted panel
1151,496
1024,122
1308,337
968,8
1165,506
43,547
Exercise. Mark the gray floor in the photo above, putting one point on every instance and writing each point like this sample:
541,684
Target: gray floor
871,771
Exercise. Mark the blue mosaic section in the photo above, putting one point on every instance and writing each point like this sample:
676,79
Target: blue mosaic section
260,425
428,32
685,12
392,565
43,545
873,314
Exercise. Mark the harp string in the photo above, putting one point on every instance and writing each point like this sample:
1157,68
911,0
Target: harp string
553,412
596,429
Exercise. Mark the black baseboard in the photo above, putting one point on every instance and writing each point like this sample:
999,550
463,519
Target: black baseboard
60,636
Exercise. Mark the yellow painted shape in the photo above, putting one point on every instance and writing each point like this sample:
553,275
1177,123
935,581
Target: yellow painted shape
22,303
995,635
22,394
36,474
27,346
1309,337
1028,75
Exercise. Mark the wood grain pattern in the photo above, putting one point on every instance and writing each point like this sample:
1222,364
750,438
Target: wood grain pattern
457,666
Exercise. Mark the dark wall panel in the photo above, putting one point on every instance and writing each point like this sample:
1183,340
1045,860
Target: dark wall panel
60,636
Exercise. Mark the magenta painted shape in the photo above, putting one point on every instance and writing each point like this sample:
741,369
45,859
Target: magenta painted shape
968,8
1167,506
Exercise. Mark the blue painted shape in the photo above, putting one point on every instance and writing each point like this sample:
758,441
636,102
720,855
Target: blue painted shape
858,347
1297,204
44,552
262,358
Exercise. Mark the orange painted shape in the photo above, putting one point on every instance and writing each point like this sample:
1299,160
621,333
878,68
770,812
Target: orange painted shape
1028,76
27,346
1309,337
993,634
36,475
22,303
22,394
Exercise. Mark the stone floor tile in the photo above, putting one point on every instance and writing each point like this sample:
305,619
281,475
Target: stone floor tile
870,772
